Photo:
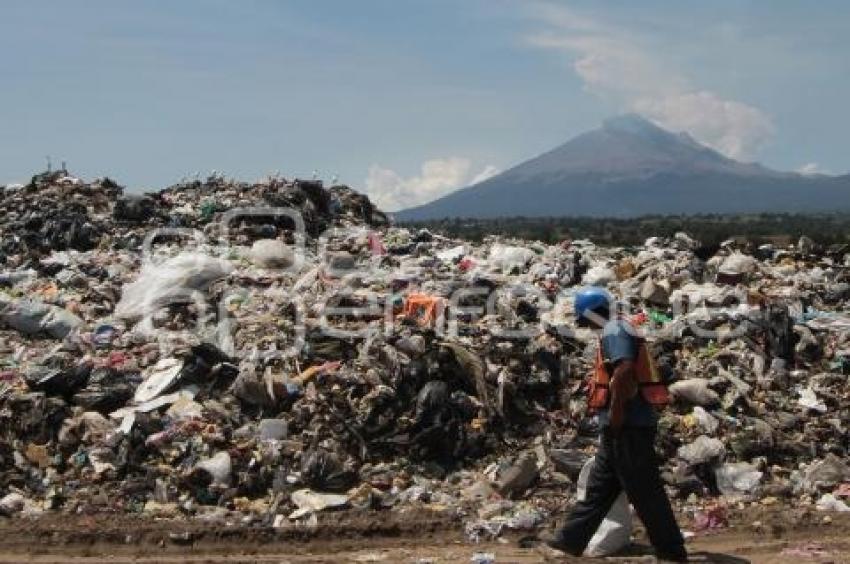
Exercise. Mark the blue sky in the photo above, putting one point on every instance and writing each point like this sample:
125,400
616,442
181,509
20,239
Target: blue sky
408,99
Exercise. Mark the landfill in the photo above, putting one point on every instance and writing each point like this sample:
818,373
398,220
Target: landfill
266,353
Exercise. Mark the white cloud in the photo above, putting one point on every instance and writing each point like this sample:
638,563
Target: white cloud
614,63
610,65
809,169
437,177
733,128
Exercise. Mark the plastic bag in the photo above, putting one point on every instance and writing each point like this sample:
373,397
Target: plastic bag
158,379
695,391
32,317
323,471
59,322
12,503
737,264
272,253
829,502
825,474
598,276
218,467
703,449
737,478
451,255
615,532
272,429
706,420
174,278
809,400
508,258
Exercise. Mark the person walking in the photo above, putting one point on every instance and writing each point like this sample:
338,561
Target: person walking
625,391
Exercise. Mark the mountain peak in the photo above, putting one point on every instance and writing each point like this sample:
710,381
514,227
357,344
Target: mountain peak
639,126
632,123
631,166
626,145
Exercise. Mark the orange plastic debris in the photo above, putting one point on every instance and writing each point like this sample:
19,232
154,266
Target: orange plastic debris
314,371
424,308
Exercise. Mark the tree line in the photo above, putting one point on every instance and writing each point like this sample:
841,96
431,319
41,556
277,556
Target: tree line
710,229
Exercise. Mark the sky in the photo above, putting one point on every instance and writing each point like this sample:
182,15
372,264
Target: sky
408,99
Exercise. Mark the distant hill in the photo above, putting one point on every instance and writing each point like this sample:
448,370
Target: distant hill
630,167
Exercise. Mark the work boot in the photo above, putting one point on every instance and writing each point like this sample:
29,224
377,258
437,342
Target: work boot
552,542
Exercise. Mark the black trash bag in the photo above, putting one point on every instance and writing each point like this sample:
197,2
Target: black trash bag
423,236
527,311
323,471
32,415
59,382
207,366
320,198
438,431
465,369
431,401
779,333
409,380
107,390
134,208
199,364
73,231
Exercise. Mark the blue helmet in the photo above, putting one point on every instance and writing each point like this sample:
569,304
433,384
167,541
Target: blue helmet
591,298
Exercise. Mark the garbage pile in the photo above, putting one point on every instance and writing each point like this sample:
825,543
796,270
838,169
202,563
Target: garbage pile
270,351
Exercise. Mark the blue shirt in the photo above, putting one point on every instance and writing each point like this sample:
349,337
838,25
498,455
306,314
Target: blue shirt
619,343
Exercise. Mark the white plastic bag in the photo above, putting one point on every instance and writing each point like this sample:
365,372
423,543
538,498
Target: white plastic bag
737,264
598,276
158,379
615,532
702,449
453,254
694,391
829,502
272,253
507,258
737,478
218,467
705,420
809,400
174,278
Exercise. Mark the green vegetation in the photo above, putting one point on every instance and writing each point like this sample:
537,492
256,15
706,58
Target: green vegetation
780,229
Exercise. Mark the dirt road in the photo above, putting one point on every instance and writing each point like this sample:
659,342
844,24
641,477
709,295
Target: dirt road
416,537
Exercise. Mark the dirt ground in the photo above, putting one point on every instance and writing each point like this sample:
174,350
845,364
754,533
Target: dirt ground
423,537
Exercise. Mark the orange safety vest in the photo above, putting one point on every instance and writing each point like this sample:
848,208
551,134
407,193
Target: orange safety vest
653,390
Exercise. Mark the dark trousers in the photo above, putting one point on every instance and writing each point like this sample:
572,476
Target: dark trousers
625,461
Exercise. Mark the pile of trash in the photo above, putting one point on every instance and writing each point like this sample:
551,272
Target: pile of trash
270,351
